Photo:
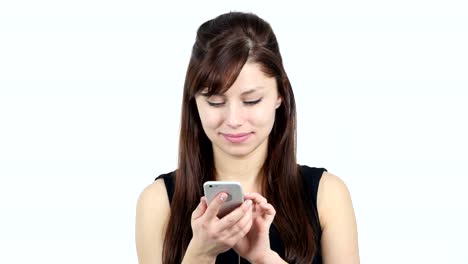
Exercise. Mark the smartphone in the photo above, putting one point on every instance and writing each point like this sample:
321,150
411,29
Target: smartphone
233,189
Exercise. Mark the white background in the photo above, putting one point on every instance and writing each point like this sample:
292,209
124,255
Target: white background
90,95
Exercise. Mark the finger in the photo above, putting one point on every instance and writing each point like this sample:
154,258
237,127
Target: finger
242,227
233,217
215,205
246,220
246,228
268,210
256,197
200,210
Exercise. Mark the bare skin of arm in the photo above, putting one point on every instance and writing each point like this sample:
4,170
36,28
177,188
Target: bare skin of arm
339,229
152,214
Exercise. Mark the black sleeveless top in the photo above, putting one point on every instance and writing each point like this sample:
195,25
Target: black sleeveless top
311,177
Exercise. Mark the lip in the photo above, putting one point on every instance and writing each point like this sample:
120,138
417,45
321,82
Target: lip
237,138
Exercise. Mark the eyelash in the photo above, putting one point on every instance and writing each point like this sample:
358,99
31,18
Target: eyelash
247,103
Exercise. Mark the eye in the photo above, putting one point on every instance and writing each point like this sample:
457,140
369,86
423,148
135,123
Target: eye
214,98
253,102
215,104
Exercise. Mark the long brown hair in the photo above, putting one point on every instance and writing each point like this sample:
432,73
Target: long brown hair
223,45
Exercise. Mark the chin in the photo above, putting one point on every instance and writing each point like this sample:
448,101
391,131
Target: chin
238,151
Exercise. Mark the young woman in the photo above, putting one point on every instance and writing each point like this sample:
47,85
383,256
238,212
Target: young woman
239,124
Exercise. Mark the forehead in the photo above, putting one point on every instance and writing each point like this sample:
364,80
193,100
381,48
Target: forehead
252,77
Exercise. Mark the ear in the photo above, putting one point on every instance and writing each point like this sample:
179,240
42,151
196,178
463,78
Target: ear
279,101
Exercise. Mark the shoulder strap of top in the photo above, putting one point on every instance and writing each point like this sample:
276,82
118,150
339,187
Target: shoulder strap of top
312,178
169,179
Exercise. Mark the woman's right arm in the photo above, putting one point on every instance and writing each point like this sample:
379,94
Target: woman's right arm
211,235
152,215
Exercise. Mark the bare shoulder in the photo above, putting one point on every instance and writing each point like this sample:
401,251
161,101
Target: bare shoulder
152,214
332,190
338,221
154,196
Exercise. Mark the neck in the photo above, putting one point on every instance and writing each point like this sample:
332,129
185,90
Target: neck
244,169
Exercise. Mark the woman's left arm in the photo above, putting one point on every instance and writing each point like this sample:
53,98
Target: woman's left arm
339,230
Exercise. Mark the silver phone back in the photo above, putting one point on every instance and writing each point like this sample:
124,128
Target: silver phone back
233,189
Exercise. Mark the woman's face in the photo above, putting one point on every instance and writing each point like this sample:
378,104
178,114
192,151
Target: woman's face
240,120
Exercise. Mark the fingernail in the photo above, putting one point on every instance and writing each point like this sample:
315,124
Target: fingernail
249,203
223,197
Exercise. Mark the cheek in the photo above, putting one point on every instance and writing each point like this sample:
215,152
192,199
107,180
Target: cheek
210,119
262,116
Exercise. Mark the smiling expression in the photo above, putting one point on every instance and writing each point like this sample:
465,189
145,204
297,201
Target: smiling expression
240,120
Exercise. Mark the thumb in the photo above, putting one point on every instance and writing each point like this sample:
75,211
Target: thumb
200,210
215,205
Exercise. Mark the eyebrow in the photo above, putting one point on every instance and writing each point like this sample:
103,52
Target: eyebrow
251,90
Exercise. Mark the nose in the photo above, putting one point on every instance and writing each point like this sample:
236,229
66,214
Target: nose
235,115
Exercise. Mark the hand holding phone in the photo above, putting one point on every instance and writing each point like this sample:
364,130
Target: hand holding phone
235,196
